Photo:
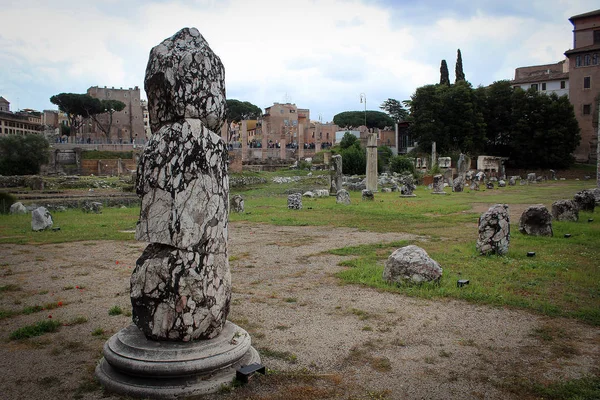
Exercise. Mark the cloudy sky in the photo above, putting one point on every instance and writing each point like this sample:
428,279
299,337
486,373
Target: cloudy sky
319,54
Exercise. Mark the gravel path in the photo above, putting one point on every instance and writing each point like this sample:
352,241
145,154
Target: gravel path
339,341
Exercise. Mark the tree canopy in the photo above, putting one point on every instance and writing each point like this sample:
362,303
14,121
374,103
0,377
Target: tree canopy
395,110
375,119
532,129
23,155
240,110
458,70
80,107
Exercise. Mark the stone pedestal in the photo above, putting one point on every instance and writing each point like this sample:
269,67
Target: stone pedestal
138,367
372,162
438,185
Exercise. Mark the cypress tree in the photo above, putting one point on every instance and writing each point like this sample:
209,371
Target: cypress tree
460,75
444,74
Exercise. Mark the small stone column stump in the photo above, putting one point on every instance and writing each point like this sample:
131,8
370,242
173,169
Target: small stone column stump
181,343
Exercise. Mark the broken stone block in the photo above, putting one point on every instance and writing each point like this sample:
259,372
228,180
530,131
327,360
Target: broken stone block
342,197
237,203
41,219
494,231
536,221
295,201
411,264
565,210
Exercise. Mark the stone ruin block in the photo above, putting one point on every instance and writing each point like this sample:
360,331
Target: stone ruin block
185,79
565,210
180,294
438,184
501,183
18,208
489,185
536,220
411,264
41,219
531,178
368,195
342,197
474,185
336,174
295,201
494,231
512,181
585,200
458,185
408,185
444,162
237,203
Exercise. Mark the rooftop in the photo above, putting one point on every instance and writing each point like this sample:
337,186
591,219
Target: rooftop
585,15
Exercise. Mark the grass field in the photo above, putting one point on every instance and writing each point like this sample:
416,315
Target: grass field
563,279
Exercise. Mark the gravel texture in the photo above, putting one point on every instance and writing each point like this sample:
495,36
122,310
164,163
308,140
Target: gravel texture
352,341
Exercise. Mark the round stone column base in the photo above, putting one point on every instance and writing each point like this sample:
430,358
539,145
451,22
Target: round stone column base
135,366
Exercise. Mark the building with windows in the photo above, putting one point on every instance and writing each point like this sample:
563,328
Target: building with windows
547,78
584,78
127,125
282,122
25,122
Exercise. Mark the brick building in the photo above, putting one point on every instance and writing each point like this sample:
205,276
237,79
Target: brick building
547,78
127,125
23,122
584,78
281,122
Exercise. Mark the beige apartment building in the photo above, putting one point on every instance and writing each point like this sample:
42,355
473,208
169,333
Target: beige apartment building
281,124
24,122
584,80
127,125
547,78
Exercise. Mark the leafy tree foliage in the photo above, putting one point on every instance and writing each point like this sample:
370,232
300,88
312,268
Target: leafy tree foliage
375,119
401,164
80,107
444,74
348,140
458,70
354,159
395,110
448,115
240,110
384,154
23,155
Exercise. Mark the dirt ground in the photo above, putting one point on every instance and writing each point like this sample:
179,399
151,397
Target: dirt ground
321,339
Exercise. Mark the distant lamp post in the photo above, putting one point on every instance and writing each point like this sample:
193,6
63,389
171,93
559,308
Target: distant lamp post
364,97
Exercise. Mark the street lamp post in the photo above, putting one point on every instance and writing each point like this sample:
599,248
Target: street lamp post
364,97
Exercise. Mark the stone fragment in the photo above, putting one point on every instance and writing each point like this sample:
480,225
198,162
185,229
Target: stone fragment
386,190
93,207
295,201
536,220
237,203
408,185
180,295
565,210
308,194
185,79
489,185
41,219
367,195
501,183
438,184
342,197
494,231
458,185
474,185
553,174
585,200
411,264
480,176
321,193
531,178
512,181
183,182
336,174
596,193
18,208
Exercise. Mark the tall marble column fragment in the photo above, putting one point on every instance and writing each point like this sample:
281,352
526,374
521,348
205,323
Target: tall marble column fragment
372,162
336,175
181,343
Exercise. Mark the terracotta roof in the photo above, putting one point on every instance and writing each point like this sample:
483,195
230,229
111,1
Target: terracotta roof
583,49
587,14
557,76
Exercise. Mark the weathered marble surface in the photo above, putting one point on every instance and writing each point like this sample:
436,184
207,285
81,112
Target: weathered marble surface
536,220
585,200
408,185
458,185
185,79
494,231
183,182
411,264
295,201
180,294
336,174
41,219
18,208
342,197
565,210
237,203
367,195
438,184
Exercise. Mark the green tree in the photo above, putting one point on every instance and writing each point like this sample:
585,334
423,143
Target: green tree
240,110
23,155
354,159
108,107
495,101
348,140
444,74
384,154
458,70
375,119
401,164
78,107
395,110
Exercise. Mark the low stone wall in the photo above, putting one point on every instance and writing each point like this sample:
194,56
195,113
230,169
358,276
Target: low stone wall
567,174
108,167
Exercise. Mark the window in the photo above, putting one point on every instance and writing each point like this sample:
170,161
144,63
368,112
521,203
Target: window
596,37
534,86
543,85
587,109
563,84
587,60
587,82
595,59
578,61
